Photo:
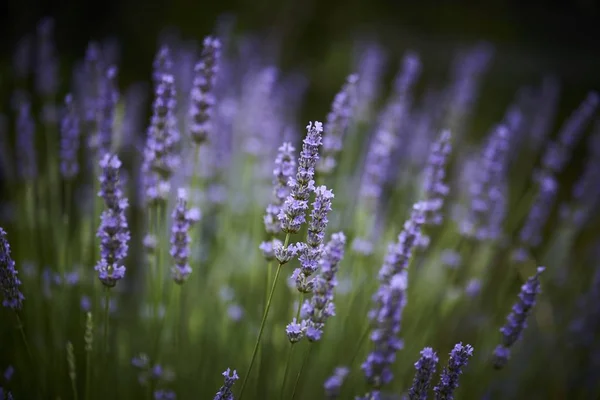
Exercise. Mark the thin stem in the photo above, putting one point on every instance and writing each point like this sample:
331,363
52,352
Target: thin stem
22,331
88,373
106,317
287,367
289,358
301,369
264,320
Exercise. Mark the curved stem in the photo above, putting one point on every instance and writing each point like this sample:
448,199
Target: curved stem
262,324
287,366
301,369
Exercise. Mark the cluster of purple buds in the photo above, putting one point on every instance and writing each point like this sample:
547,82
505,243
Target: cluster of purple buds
113,231
311,252
333,384
321,307
202,95
389,302
225,392
293,212
557,153
183,219
530,235
434,186
69,140
9,280
285,166
488,189
459,357
160,159
517,319
586,191
338,121
399,254
386,319
108,99
386,137
425,369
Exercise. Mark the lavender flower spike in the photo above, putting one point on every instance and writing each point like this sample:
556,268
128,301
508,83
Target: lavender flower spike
183,218
334,383
26,153
434,186
9,281
160,159
202,96
425,369
386,318
321,306
225,392
70,131
109,96
311,253
517,319
285,165
113,231
459,357
292,214
337,124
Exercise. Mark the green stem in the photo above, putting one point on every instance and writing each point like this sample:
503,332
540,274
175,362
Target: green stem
22,332
106,318
88,373
287,366
301,369
262,324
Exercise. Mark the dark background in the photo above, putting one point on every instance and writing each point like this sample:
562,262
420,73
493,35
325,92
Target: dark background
531,37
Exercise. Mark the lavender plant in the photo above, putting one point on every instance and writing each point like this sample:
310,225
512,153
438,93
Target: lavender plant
238,110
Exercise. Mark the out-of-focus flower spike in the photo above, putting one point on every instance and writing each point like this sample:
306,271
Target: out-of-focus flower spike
46,60
9,280
26,148
70,131
202,96
183,219
338,121
517,319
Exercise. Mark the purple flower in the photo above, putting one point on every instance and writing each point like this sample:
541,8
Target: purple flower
183,218
292,214
337,124
586,191
334,383
202,96
386,318
9,281
163,64
160,159
311,253
225,392
113,231
295,330
320,307
386,135
517,319
164,395
558,153
399,253
285,166
530,235
488,188
26,148
459,357
69,140
425,369
434,186
108,98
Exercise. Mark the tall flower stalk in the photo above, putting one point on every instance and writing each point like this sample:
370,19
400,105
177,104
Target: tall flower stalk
292,215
